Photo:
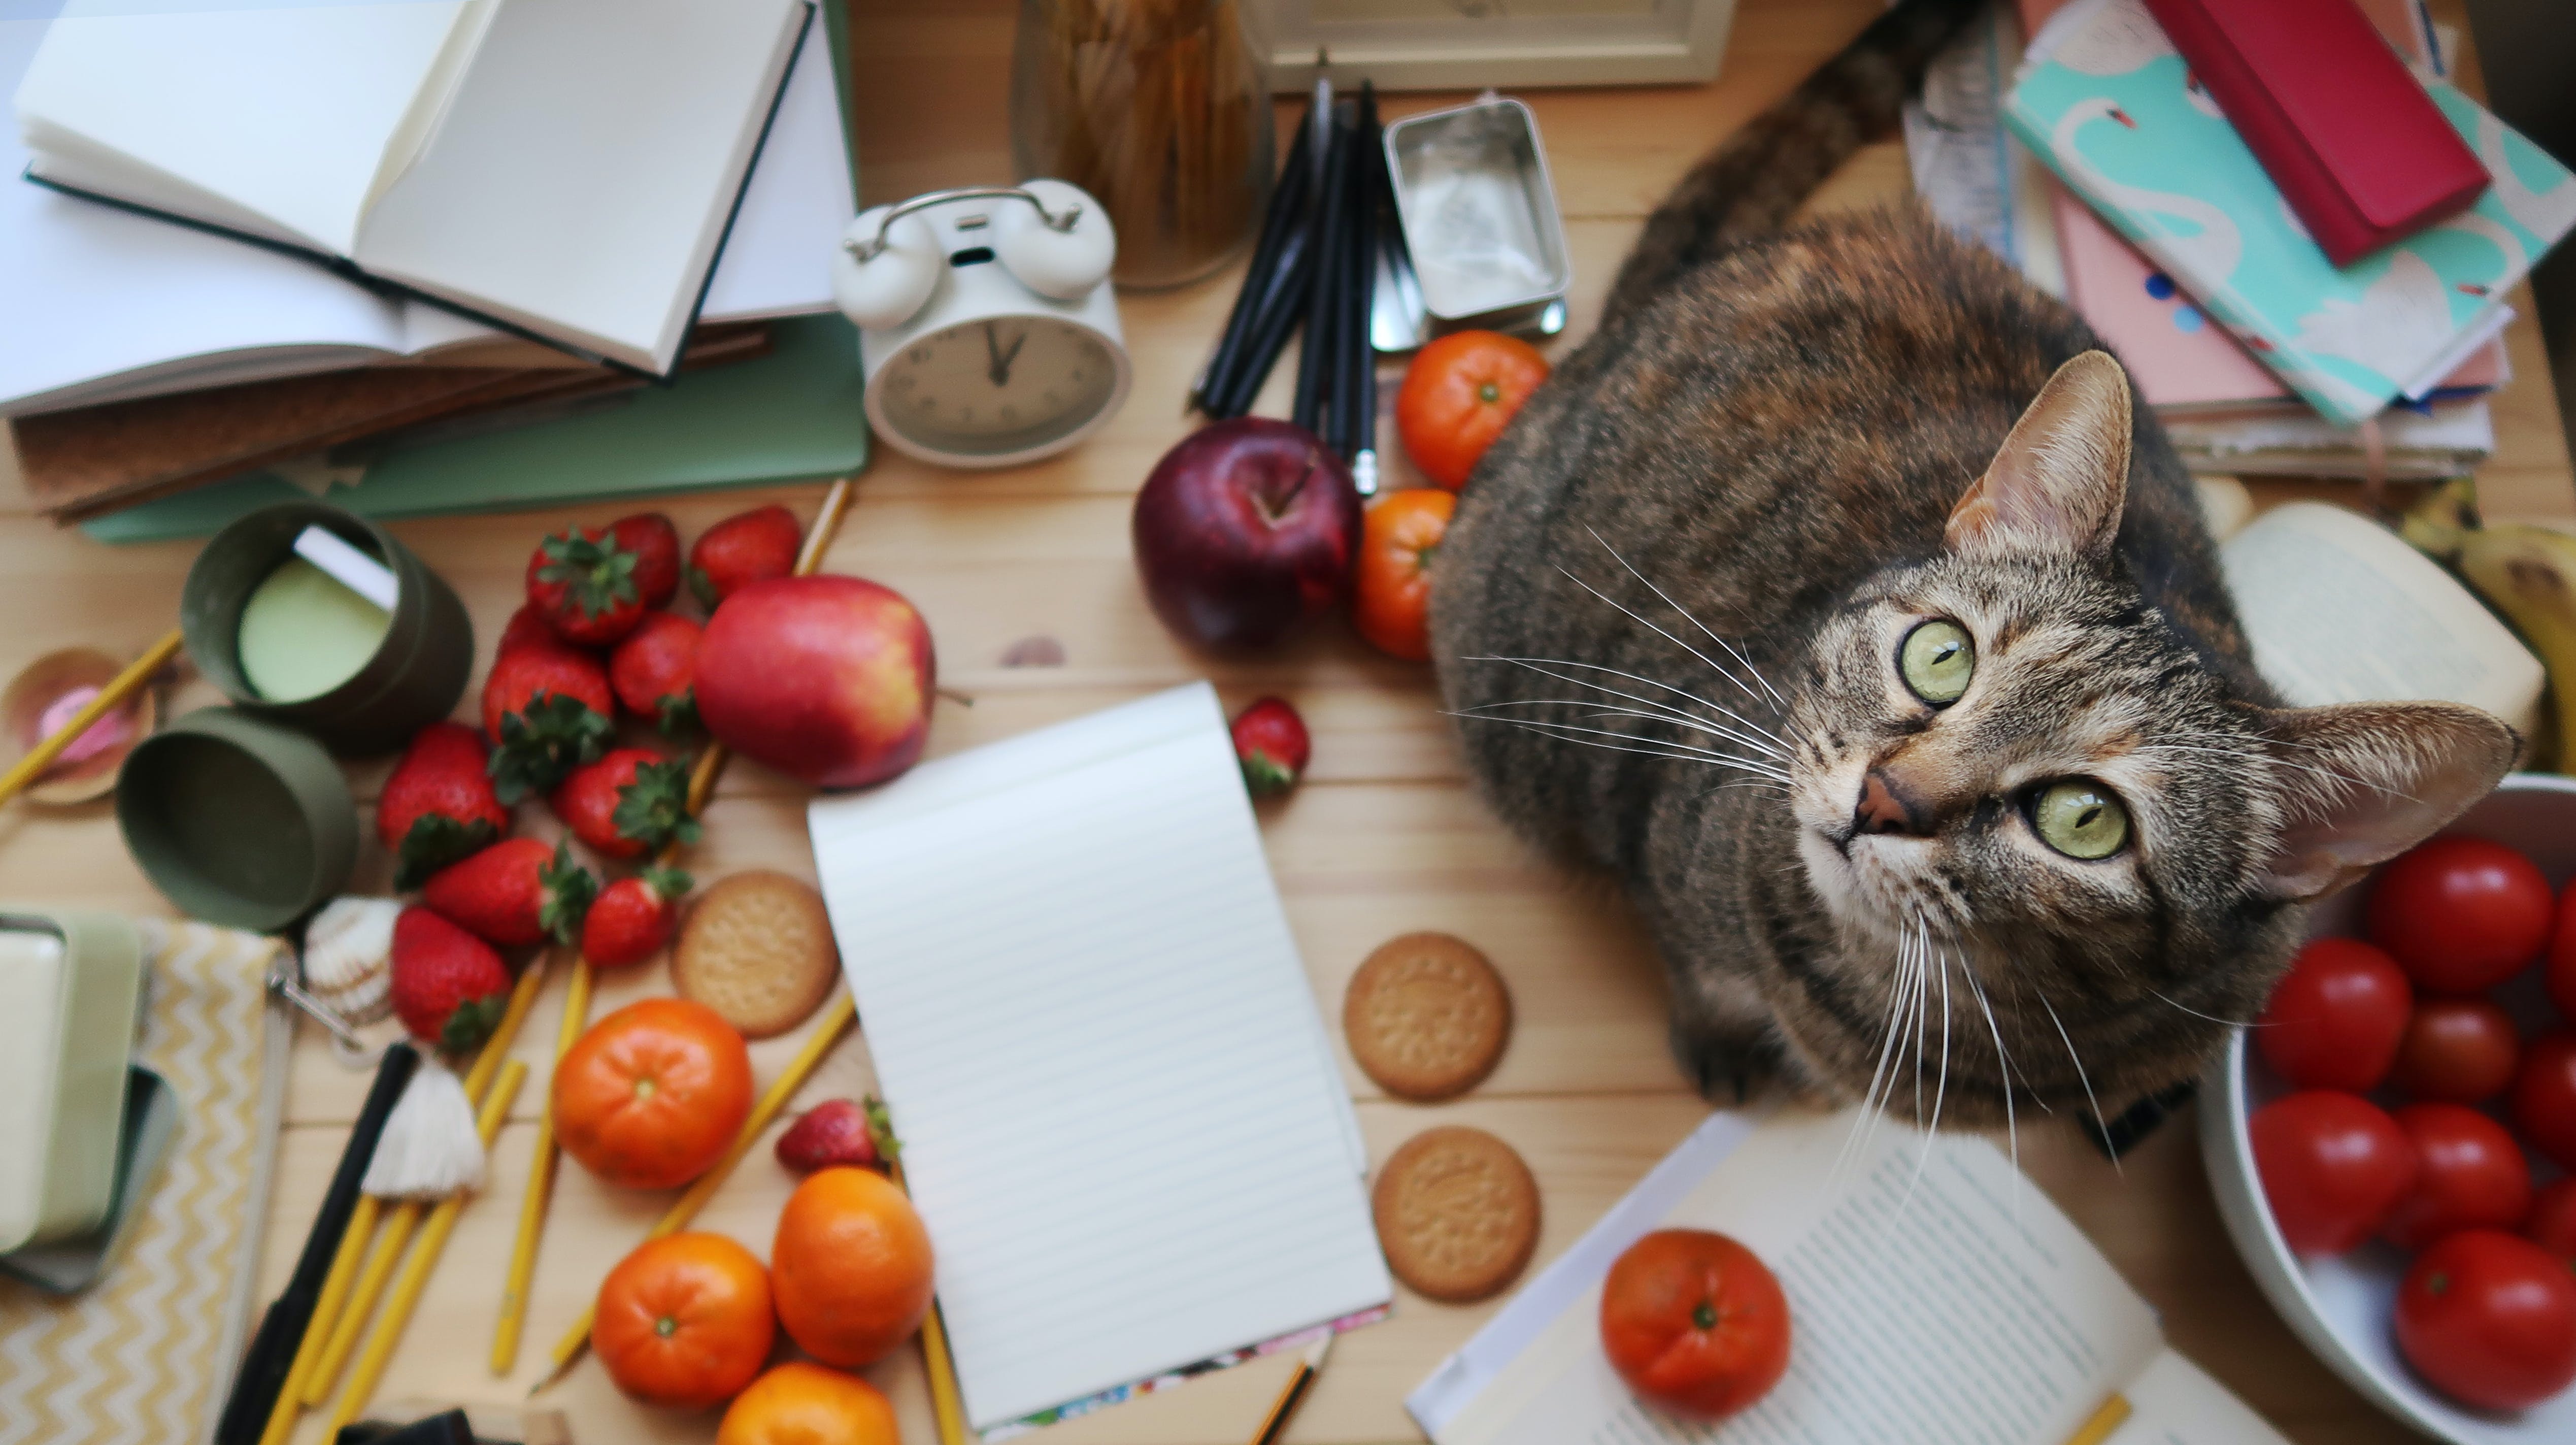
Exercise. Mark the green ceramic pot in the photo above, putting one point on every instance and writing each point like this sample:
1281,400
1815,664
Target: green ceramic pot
237,819
416,674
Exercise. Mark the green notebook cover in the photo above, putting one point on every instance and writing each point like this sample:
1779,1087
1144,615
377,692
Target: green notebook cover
788,416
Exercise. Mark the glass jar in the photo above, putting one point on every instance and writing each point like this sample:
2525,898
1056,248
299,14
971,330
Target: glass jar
1161,109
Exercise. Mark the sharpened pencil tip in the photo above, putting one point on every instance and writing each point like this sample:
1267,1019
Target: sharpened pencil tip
1315,1352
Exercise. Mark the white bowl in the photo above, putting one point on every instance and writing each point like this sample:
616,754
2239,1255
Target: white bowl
2339,1305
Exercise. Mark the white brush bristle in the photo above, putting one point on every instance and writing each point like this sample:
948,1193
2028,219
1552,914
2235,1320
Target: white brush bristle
431,1148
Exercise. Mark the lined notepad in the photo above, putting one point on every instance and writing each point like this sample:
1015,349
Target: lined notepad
1121,1116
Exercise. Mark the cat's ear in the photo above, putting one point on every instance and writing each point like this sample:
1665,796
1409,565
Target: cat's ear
2366,781
2057,485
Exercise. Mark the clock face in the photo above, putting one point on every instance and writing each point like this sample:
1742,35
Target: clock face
992,388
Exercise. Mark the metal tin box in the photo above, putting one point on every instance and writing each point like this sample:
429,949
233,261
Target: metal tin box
69,985
1480,214
236,819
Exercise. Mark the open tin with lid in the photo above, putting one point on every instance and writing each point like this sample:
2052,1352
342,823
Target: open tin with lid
1480,218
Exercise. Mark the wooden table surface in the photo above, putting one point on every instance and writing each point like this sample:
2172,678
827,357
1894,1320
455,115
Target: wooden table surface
1383,838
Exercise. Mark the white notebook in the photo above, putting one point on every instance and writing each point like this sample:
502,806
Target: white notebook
564,167
1121,1115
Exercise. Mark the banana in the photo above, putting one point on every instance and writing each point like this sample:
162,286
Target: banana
2442,518
2529,575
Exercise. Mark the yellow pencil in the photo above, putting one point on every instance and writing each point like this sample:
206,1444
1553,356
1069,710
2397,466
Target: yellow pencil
2098,1426
424,1258
541,1174
837,1016
335,1288
111,697
404,1217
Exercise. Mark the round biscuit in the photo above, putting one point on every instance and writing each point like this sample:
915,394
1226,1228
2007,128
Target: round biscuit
757,948
1457,1214
1426,1016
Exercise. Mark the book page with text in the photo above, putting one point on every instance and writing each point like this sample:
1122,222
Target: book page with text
1933,1298
2340,609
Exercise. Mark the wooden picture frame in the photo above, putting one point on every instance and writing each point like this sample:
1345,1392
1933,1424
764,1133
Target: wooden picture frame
1473,44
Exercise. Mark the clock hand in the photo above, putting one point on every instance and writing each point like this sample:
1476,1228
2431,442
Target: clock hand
1000,370
1013,354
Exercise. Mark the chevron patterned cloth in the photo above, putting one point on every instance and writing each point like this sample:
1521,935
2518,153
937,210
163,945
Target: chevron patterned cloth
142,1357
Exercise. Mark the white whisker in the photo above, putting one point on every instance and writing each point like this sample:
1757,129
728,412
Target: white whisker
1711,729
1886,1051
1675,752
1941,1084
2100,1123
2003,1064
1541,665
1711,663
1754,672
2213,1018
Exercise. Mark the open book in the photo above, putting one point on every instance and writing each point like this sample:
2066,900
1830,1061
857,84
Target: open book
2340,609
566,169
1934,1295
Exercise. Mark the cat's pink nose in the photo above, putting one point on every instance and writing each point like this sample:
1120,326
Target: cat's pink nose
1884,810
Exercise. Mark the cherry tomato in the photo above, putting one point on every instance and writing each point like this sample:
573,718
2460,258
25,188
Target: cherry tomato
1398,539
2457,1051
2332,1165
1459,394
2334,1021
2552,1224
2489,1319
2460,914
2543,1105
1694,1322
2469,1174
2562,956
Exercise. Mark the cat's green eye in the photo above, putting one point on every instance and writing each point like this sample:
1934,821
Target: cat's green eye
2080,818
1936,660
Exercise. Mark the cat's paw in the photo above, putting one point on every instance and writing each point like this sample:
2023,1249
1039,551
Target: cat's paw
1729,1063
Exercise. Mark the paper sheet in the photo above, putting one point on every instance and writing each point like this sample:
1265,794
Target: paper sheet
1121,1115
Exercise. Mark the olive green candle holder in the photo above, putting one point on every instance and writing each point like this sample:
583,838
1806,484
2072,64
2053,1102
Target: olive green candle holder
416,673
238,820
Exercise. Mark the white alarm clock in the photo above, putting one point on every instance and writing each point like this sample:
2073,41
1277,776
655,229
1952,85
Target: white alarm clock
988,329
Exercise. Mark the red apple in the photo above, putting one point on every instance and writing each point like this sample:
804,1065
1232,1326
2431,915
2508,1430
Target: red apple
1245,532
826,678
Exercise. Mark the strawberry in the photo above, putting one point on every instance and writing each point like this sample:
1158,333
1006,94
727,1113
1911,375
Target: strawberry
449,987
632,918
546,708
836,1131
514,893
438,806
654,670
583,583
744,548
1270,740
526,625
630,802
656,545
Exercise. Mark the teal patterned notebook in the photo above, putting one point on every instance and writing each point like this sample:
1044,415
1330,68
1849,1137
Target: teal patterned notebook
2106,102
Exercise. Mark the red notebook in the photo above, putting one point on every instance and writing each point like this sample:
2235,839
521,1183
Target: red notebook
2362,155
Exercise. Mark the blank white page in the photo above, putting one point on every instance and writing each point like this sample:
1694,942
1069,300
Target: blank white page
583,177
1120,1114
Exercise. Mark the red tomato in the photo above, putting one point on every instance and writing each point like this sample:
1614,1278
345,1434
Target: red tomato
2334,1021
1695,1323
2544,1097
2469,1174
2552,1224
2457,1051
1458,395
2562,956
2460,914
2490,1319
2332,1165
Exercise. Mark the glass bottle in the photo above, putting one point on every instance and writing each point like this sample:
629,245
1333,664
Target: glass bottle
1161,109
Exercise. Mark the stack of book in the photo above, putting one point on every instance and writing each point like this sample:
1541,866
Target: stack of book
313,236
2105,171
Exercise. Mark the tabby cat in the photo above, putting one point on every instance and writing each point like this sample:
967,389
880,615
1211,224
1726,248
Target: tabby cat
1838,597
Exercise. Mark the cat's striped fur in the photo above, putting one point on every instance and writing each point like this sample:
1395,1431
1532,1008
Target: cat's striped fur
1706,538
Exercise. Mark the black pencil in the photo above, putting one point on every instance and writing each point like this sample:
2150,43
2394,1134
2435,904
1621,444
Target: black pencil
272,1351
1316,360
1285,307
1359,371
1287,204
